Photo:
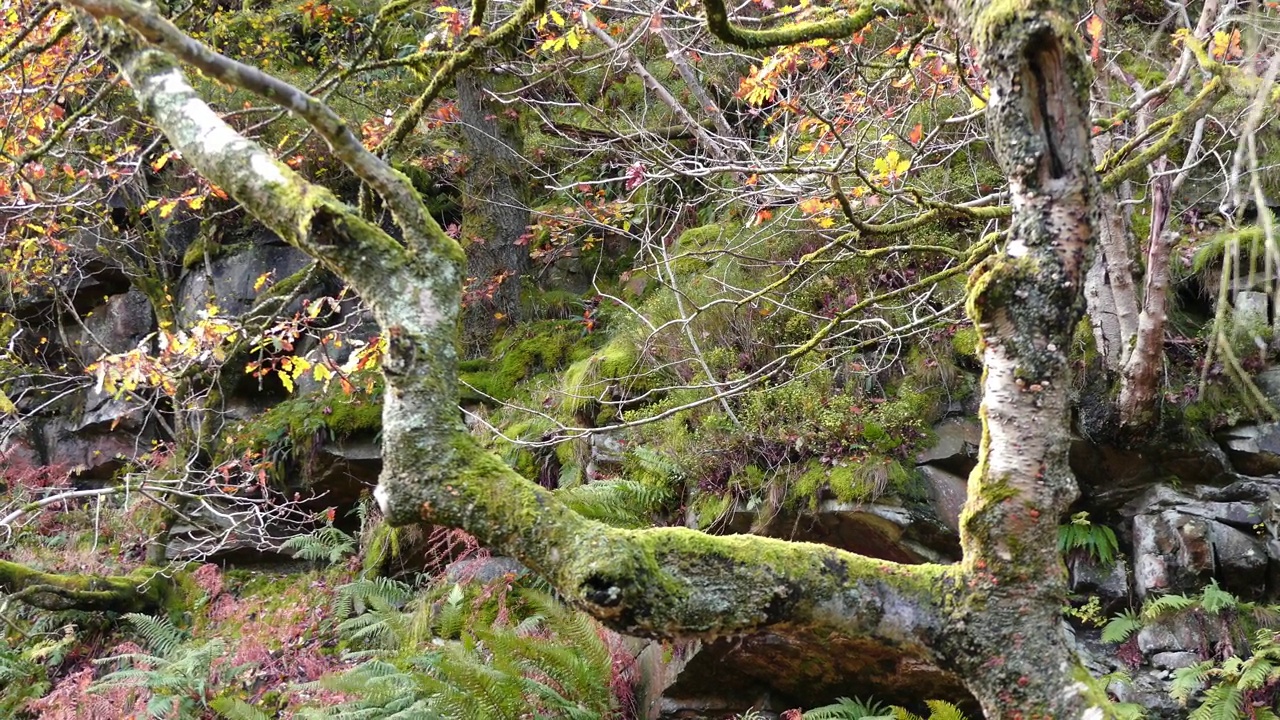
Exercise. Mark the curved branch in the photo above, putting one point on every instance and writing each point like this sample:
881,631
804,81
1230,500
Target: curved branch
396,189
457,62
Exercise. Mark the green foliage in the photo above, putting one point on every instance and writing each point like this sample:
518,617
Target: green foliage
236,709
1212,601
1234,683
1120,627
456,657
527,351
179,673
938,710
1250,678
855,709
1097,541
24,672
848,709
629,502
327,544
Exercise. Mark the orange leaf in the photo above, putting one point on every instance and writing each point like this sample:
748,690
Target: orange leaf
1094,28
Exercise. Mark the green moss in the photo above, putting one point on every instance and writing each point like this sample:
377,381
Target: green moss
964,343
295,424
526,351
611,370
205,246
709,509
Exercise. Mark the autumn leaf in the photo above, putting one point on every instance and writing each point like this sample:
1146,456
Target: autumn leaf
1094,28
916,134
812,206
892,165
1226,46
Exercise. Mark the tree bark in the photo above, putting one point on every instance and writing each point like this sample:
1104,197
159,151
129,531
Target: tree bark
1140,383
495,212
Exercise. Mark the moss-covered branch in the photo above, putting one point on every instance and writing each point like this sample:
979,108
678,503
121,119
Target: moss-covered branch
455,63
837,28
140,591
666,582
406,205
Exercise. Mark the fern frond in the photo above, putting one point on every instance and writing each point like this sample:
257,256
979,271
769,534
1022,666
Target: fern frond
847,709
941,710
1120,627
158,634
1255,672
1214,599
1166,605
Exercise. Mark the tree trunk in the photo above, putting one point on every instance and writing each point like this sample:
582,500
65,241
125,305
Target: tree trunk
1140,383
495,213
1026,303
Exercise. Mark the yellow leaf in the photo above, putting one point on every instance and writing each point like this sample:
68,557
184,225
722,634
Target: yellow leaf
6,405
285,380
557,18
321,373
299,366
572,39
262,280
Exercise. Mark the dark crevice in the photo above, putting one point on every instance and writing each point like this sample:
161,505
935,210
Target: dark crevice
1057,168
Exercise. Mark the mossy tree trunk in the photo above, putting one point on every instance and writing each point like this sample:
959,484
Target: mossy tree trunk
141,591
994,618
495,212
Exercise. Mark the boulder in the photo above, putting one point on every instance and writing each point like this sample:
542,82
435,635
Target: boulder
1172,553
229,281
887,530
956,446
1111,476
1242,561
1110,583
115,326
1254,449
947,494
793,667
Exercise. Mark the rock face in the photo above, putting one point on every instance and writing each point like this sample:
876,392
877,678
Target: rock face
93,436
776,672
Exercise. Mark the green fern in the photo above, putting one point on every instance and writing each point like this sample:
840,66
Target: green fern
176,672
1097,541
1165,606
848,709
620,503
23,678
1230,682
236,709
1120,627
327,544
448,656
